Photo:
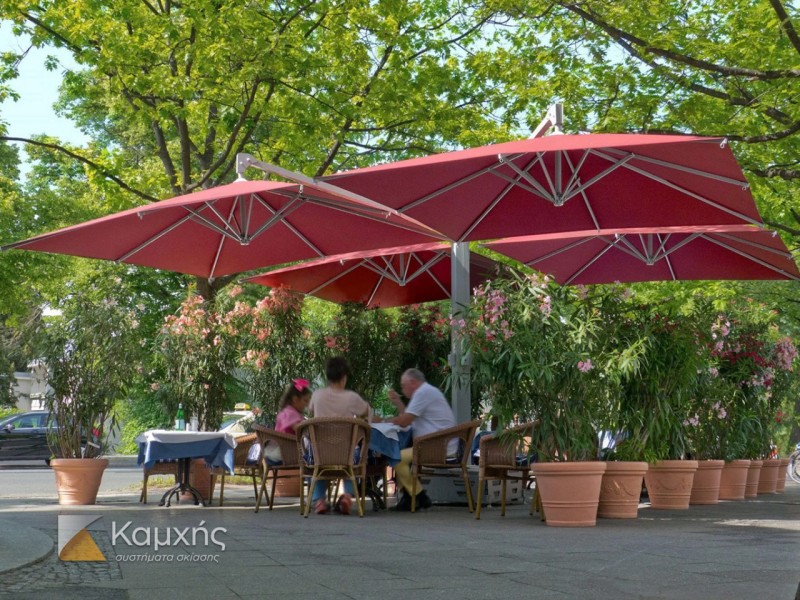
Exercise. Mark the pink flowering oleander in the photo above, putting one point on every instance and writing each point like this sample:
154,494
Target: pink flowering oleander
584,366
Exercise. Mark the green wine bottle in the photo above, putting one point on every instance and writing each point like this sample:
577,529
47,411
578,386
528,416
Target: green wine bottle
180,419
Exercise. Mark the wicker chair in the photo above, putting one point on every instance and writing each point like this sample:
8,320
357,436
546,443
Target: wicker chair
333,442
244,464
500,459
430,457
288,467
165,467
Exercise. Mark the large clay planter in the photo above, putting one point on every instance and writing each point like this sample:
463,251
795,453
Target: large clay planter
753,475
705,487
570,492
733,480
287,487
78,479
780,484
669,483
621,489
768,481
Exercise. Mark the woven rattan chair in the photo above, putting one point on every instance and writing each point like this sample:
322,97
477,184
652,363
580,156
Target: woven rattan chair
165,467
430,457
288,467
246,462
333,442
504,456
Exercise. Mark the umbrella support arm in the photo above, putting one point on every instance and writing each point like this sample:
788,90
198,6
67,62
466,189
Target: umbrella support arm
554,119
244,161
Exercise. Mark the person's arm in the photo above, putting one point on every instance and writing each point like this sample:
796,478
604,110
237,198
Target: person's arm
397,400
403,420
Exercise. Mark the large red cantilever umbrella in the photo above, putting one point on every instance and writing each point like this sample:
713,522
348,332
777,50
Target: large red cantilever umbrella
236,227
384,278
563,183
642,254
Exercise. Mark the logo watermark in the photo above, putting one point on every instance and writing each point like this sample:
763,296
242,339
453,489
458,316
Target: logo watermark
195,544
158,538
74,541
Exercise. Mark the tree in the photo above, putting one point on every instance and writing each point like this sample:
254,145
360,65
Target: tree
725,68
170,92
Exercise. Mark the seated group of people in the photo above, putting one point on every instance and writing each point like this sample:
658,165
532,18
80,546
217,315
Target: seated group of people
427,411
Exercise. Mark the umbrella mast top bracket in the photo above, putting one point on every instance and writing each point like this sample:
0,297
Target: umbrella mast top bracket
554,119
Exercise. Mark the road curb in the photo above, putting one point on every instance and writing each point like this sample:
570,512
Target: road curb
22,546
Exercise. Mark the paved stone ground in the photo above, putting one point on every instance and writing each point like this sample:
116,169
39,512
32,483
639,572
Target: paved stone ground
733,551
54,573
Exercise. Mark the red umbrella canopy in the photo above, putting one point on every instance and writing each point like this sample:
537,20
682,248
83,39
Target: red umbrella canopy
390,277
564,183
234,228
724,252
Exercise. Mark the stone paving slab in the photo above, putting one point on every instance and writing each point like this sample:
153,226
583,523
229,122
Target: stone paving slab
731,551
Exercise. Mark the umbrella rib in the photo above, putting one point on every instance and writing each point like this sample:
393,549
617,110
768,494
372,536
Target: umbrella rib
280,216
154,238
561,250
597,257
623,244
426,266
755,259
685,169
295,202
733,238
513,182
576,178
661,247
378,217
678,188
445,189
335,278
221,244
525,174
581,187
374,290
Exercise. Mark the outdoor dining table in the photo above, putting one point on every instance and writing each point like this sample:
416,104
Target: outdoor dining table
215,447
388,439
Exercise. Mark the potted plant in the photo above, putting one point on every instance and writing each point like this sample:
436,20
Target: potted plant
90,351
654,399
532,345
706,432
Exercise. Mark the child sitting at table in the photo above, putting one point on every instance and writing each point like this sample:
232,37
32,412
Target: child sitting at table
294,402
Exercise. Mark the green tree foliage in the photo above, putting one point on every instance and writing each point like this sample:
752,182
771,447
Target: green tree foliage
726,68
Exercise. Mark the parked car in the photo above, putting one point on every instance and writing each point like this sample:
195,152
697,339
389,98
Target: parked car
23,436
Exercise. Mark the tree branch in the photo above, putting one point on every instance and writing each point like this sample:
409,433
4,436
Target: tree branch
786,24
90,163
163,153
703,65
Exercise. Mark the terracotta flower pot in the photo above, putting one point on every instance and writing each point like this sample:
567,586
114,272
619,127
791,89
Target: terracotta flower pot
669,483
288,487
621,489
78,479
753,475
780,484
570,492
705,487
768,481
733,480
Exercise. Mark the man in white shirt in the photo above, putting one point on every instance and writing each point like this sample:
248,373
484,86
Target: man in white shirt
427,412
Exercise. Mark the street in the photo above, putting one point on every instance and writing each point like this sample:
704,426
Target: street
34,479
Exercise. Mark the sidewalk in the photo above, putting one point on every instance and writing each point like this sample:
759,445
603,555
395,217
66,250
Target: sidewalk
733,550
